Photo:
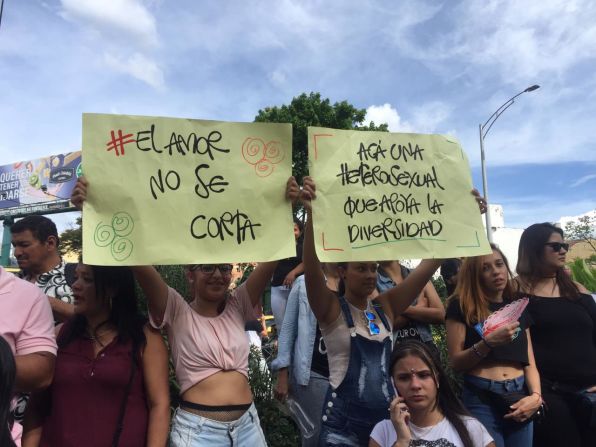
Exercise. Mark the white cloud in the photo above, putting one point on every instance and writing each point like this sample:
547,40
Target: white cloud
137,66
582,180
520,40
430,116
564,220
113,18
426,118
387,114
277,77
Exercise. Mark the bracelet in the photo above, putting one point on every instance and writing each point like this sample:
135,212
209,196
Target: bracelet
477,352
487,344
539,395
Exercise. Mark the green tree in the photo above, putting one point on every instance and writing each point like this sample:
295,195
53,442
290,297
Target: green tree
584,229
310,110
71,240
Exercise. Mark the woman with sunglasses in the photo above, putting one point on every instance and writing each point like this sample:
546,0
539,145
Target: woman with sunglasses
499,363
563,329
426,411
357,334
209,346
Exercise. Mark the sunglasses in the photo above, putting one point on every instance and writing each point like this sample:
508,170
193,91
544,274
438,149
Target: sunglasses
556,246
209,269
373,328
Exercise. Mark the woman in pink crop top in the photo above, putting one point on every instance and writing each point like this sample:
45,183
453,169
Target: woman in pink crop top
209,347
110,385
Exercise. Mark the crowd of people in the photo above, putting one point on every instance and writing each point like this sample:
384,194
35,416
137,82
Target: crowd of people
357,362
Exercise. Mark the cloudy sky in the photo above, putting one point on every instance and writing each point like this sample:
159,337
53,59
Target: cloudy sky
420,66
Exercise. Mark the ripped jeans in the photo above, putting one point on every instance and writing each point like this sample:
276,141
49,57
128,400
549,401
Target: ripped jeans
346,423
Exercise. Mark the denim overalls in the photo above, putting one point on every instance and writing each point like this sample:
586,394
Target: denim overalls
351,411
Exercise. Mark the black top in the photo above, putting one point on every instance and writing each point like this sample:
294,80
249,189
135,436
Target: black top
319,363
564,338
285,266
516,351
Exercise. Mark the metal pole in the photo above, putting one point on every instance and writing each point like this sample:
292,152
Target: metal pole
6,239
489,228
489,122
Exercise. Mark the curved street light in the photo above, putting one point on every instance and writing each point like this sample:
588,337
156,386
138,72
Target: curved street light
484,128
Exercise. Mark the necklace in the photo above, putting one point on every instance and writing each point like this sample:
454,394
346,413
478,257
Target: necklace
97,337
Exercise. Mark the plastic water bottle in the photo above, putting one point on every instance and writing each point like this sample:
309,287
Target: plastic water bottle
306,426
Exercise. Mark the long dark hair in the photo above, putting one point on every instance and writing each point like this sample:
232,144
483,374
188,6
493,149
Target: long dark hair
7,378
530,264
115,285
447,401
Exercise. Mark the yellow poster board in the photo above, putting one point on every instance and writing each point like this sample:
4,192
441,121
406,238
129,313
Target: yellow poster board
182,191
389,196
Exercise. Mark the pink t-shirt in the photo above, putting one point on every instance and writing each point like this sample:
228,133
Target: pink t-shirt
26,321
202,346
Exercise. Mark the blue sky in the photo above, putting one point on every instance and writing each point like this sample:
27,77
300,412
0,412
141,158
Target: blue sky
420,66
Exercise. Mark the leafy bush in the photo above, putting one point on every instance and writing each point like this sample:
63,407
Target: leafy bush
279,429
440,339
584,274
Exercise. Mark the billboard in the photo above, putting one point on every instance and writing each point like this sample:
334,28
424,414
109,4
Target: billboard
40,185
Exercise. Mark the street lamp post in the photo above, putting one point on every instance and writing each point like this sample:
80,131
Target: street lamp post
484,128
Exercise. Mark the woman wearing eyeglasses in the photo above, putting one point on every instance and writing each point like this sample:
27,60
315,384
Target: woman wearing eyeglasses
563,329
209,347
357,334
501,386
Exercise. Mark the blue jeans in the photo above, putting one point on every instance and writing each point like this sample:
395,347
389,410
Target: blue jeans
309,399
190,430
505,432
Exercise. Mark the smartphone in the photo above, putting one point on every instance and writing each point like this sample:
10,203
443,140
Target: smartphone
394,388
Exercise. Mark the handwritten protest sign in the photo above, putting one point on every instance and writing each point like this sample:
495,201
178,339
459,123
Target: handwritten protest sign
170,191
387,196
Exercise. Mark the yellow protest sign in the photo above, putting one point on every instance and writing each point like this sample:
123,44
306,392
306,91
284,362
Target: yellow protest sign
388,196
178,191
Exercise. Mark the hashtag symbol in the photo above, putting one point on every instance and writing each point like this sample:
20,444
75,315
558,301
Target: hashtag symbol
117,144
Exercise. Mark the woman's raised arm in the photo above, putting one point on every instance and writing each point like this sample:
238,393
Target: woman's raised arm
322,301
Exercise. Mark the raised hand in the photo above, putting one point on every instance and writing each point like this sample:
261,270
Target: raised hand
79,193
308,193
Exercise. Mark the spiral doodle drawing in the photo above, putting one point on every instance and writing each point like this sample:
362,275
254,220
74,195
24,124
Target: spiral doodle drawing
121,249
113,235
122,224
263,156
104,235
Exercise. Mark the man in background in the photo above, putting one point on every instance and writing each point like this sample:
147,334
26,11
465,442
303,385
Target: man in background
35,241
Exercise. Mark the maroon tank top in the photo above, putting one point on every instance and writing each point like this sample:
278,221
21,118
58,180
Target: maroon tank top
86,396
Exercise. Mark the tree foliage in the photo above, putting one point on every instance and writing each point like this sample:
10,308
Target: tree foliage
584,274
583,229
71,240
310,110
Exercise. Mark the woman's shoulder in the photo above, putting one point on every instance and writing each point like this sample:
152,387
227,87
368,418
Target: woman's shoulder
383,433
477,431
453,308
